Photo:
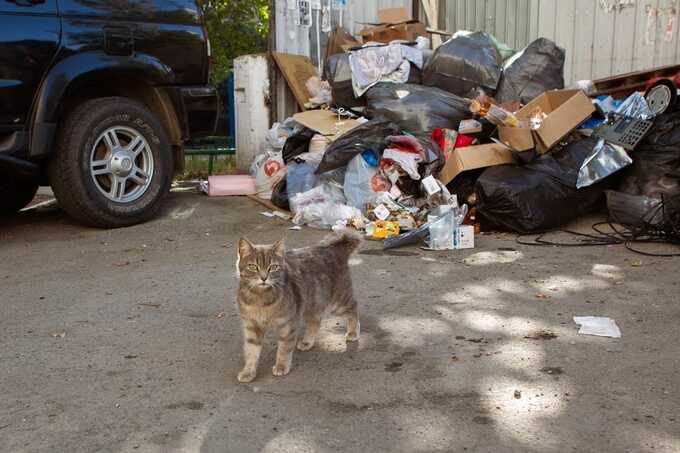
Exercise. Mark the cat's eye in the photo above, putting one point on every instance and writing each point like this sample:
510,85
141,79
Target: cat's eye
252,267
274,267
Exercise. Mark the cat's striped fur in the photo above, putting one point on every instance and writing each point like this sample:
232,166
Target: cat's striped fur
281,289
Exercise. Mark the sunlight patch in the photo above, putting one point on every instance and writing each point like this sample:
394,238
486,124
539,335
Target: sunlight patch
606,271
526,410
564,283
485,321
412,331
487,258
290,442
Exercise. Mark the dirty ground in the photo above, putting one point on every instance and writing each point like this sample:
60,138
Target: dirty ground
128,340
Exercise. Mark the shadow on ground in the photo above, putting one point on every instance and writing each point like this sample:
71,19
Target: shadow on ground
453,354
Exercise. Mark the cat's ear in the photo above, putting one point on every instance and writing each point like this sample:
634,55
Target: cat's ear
279,248
245,248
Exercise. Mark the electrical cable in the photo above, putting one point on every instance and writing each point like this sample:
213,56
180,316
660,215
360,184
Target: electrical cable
666,231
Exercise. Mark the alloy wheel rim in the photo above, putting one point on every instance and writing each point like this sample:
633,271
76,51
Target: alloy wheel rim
121,164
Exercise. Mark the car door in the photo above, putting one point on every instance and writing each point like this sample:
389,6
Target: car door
29,38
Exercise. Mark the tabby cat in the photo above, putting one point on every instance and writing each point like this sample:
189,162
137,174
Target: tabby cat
280,289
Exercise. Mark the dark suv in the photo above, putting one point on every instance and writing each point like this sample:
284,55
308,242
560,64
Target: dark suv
97,98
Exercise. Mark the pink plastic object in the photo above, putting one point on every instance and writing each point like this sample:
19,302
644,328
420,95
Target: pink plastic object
226,185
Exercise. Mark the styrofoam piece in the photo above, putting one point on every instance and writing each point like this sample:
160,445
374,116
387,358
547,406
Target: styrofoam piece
229,185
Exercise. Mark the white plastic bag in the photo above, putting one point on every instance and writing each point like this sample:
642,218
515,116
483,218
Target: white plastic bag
322,207
278,134
268,169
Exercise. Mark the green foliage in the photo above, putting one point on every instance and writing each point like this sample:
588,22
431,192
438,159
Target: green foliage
236,27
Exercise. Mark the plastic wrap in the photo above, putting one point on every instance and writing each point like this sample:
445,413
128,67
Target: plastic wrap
416,108
606,159
464,63
370,135
656,161
531,72
541,195
319,92
363,182
636,106
300,177
279,133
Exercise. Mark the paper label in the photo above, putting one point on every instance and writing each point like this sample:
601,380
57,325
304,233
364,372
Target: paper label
431,185
381,212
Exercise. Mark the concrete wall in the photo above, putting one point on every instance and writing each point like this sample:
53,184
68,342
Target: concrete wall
251,96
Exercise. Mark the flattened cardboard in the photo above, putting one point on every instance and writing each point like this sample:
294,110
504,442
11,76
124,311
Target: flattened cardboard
393,15
473,157
296,69
325,123
566,109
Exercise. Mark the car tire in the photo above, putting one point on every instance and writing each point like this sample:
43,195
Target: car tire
16,194
113,163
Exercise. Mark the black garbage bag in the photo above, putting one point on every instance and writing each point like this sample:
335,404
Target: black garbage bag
280,195
297,144
634,211
541,195
464,63
656,161
338,73
416,108
370,135
531,72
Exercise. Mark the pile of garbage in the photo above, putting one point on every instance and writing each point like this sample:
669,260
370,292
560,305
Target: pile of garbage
414,146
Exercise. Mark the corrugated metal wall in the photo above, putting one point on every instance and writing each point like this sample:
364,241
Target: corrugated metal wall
602,37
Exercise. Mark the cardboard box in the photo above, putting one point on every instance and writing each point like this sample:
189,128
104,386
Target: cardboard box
566,110
394,23
464,237
339,41
326,123
473,157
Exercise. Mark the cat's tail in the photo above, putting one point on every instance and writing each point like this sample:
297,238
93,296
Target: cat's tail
346,238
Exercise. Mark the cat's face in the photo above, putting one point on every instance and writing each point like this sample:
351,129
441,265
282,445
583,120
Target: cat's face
260,266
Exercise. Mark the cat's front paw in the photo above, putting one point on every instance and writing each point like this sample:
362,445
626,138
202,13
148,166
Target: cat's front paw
352,336
305,345
280,370
246,376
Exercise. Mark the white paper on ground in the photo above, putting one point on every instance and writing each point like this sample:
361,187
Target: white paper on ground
599,326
